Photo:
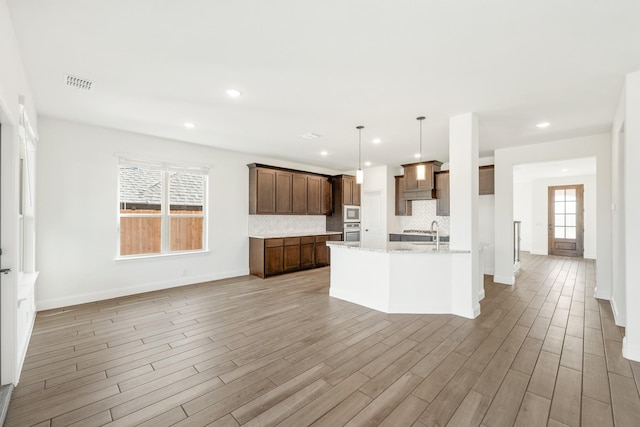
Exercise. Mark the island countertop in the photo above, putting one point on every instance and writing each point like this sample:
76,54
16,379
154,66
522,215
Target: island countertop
398,247
294,234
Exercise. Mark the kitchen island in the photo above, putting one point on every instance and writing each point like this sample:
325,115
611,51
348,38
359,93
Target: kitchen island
403,277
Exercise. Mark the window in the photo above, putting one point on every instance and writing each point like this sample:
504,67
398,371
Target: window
161,208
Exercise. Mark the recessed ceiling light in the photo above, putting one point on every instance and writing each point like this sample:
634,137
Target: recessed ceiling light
565,170
324,153
234,93
367,163
189,125
376,140
417,155
310,135
543,125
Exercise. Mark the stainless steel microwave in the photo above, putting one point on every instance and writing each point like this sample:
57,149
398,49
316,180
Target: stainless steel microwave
351,213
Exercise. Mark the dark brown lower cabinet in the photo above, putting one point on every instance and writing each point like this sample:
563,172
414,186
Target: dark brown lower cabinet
273,255
291,252
268,257
322,256
307,252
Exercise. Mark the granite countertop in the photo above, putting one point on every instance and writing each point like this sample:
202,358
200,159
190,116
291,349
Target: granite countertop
294,234
398,247
417,233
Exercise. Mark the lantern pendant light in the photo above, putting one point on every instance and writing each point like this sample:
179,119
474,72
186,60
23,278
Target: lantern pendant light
421,170
359,173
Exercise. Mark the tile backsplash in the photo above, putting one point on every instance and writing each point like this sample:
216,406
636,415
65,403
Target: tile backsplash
274,224
423,212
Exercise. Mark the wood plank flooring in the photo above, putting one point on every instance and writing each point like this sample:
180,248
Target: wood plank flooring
280,351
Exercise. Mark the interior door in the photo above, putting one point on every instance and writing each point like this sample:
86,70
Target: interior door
566,220
373,230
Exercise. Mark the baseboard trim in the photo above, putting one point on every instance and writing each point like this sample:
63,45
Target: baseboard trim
481,295
535,252
23,354
505,280
132,290
630,351
617,317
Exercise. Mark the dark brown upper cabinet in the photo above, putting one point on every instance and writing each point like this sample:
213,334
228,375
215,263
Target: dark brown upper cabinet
349,189
403,206
424,189
299,190
262,191
485,186
486,180
278,191
284,192
442,193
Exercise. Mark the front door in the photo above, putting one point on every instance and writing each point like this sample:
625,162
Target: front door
566,220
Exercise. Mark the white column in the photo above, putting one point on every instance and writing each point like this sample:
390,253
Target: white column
631,342
463,220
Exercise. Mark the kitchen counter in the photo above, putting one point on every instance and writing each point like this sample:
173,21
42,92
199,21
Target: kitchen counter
398,247
404,277
292,234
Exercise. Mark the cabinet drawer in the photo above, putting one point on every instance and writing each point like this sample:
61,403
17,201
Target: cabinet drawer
291,241
321,239
307,239
272,243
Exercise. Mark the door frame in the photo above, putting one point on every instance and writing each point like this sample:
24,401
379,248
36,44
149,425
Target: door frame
579,219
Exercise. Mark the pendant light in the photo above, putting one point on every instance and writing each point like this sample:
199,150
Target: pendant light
421,170
359,173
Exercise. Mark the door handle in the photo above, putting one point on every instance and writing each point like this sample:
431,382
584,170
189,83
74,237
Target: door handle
5,271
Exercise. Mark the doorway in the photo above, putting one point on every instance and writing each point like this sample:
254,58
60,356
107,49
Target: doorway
566,220
373,218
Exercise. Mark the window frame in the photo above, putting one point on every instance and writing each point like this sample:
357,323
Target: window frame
166,169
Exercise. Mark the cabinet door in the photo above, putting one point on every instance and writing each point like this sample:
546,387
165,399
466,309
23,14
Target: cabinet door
442,194
273,256
291,254
314,193
403,206
284,200
347,190
322,256
356,193
326,197
299,193
307,251
486,180
411,182
266,191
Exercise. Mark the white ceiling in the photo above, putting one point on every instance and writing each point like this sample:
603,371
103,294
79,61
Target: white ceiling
327,66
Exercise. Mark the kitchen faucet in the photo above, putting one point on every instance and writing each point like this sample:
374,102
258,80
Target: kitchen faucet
434,222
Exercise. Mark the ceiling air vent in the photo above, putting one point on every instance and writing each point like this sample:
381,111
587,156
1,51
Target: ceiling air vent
79,83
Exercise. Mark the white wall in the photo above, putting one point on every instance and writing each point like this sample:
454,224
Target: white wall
13,85
540,213
618,291
522,211
77,214
631,342
598,146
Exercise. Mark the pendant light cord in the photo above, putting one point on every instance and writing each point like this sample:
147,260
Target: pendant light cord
359,146
420,119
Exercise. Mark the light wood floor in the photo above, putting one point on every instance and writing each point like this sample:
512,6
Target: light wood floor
280,351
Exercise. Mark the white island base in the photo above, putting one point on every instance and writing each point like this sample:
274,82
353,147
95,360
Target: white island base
404,278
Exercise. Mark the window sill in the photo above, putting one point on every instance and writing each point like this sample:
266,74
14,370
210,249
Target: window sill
159,256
